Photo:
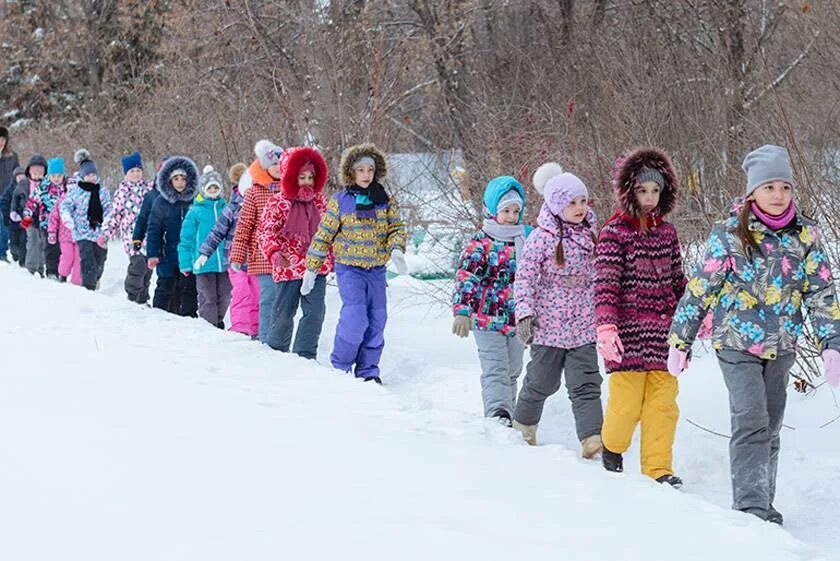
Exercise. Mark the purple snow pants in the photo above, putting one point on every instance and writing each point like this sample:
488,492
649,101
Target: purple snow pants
359,337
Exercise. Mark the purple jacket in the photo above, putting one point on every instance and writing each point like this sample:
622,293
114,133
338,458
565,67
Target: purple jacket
561,298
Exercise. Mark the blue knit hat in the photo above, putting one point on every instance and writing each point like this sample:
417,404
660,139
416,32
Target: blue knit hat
132,161
55,165
87,168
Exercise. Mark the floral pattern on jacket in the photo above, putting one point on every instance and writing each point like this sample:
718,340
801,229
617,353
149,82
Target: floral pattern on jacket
42,200
758,302
74,210
128,200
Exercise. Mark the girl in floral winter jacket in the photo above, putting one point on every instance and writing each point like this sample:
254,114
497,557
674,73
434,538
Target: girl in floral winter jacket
289,222
69,264
555,309
483,301
36,215
763,264
639,279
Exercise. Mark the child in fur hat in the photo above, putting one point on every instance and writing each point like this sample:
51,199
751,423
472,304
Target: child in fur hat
128,200
177,186
362,225
555,309
639,279
290,220
245,289
84,211
484,297
36,215
211,277
265,177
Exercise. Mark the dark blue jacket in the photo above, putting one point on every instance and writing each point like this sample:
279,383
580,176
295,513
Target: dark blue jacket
167,214
142,222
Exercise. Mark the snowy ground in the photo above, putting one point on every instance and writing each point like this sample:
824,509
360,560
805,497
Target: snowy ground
129,434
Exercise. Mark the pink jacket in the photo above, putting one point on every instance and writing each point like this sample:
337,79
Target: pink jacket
561,298
55,225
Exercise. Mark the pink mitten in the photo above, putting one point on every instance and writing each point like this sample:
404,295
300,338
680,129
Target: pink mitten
831,362
52,239
609,345
677,361
102,241
707,326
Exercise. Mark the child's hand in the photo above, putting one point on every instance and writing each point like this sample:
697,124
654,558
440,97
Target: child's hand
102,241
137,245
677,361
609,344
525,329
153,262
186,273
15,216
831,363
461,326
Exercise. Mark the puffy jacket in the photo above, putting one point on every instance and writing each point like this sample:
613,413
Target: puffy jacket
55,224
42,200
74,210
128,201
246,249
167,214
198,223
222,232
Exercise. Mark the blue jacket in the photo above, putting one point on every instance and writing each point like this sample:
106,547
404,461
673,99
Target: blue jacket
168,213
142,223
198,223
224,229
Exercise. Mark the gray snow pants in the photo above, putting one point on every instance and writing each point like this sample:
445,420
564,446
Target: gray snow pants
757,397
138,277
583,383
501,363
36,242
213,297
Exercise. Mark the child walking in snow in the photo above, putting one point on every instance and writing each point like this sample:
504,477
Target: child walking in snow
289,221
12,227
84,211
69,263
484,297
128,200
362,226
639,279
177,185
245,288
36,215
762,265
35,170
265,182
211,277
555,310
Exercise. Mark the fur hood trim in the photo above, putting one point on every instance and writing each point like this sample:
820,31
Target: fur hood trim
293,161
354,154
628,172
164,185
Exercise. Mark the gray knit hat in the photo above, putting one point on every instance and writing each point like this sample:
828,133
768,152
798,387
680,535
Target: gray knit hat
210,177
650,174
766,164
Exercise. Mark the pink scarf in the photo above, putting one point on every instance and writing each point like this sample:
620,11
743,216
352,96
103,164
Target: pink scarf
775,222
303,219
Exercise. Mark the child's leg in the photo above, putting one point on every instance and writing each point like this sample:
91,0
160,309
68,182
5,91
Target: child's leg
101,255
659,424
223,288
776,376
34,250
309,327
67,259
353,317
52,257
163,293
135,277
76,272
89,265
542,379
188,297
373,341
279,335
207,304
583,383
254,299
495,372
240,302
268,293
516,353
624,409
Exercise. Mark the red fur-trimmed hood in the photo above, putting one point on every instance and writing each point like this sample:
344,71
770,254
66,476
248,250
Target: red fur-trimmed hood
293,160
628,172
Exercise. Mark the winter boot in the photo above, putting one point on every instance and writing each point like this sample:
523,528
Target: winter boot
221,324
529,432
671,480
376,379
591,445
502,417
612,461
62,279
775,516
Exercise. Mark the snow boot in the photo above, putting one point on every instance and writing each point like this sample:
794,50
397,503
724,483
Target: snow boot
612,461
590,446
376,379
529,432
62,279
775,516
671,480
503,417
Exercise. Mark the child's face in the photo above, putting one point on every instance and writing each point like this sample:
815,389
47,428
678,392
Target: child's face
56,178
774,197
508,215
306,179
576,211
36,173
364,175
20,177
90,178
213,191
2,143
274,171
134,175
179,183
647,195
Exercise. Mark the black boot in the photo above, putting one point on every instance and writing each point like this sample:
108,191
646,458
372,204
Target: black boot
775,516
62,279
503,417
376,379
221,324
671,480
612,461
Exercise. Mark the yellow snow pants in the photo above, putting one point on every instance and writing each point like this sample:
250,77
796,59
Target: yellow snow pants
649,397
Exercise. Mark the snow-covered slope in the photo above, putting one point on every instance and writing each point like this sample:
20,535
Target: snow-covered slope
129,434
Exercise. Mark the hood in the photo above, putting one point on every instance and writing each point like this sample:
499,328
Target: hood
201,200
354,154
497,187
628,171
36,160
293,160
164,186
550,223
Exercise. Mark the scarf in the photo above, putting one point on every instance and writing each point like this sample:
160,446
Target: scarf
94,211
775,222
506,233
567,231
367,199
303,219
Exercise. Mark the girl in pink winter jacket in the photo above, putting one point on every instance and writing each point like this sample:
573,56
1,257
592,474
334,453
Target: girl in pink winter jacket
69,264
555,309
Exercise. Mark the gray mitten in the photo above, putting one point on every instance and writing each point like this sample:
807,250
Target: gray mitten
461,326
525,329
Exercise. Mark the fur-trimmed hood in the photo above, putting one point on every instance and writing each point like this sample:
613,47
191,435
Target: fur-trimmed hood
353,154
628,171
293,160
164,185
